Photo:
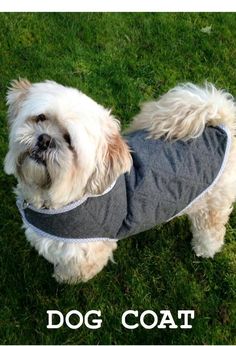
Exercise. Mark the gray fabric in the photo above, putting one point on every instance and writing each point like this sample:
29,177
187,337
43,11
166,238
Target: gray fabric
165,178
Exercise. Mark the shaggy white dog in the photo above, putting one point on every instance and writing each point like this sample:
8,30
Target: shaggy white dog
64,146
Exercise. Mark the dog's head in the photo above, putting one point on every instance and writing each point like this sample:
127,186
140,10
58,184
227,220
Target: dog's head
62,143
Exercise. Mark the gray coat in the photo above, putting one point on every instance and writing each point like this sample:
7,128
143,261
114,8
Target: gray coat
166,177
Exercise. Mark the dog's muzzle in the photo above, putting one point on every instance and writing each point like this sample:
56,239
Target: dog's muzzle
44,143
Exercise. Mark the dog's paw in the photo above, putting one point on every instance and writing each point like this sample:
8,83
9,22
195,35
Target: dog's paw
206,250
84,267
75,273
66,274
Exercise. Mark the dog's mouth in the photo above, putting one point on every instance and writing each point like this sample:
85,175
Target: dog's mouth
41,151
33,167
38,156
41,162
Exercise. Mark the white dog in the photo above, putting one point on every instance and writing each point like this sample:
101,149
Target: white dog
66,150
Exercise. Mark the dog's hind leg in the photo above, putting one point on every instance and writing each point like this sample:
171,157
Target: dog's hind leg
210,214
208,228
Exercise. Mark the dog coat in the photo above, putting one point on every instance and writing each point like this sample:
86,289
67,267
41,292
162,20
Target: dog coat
165,179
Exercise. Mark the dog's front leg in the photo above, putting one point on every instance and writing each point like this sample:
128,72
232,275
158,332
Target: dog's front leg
75,261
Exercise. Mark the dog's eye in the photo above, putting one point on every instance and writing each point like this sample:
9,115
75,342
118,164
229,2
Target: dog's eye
67,138
40,117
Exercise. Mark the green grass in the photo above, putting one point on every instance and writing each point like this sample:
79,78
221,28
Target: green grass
120,60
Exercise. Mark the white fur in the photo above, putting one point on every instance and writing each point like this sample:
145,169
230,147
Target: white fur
100,155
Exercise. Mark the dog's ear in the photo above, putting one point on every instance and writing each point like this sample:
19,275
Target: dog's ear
113,158
118,159
16,93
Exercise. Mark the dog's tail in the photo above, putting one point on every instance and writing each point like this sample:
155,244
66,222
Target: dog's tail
185,110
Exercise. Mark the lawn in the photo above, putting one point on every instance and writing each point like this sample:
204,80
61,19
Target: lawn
120,60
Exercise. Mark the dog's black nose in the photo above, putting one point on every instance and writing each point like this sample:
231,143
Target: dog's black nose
44,141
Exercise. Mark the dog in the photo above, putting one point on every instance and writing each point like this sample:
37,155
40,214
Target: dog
69,157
